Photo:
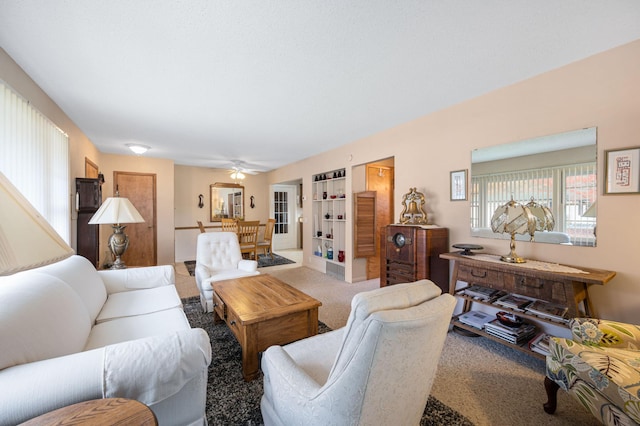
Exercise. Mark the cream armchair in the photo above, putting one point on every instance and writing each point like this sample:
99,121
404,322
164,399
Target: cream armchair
378,369
600,367
218,258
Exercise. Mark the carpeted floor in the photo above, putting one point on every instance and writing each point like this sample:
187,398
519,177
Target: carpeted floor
264,261
232,401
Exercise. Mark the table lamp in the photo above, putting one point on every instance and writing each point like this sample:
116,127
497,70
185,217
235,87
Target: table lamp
513,218
26,238
117,211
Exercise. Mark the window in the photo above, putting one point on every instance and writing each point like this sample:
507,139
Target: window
281,212
568,191
34,156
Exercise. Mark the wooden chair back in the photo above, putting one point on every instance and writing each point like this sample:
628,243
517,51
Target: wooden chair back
267,241
229,225
248,237
201,226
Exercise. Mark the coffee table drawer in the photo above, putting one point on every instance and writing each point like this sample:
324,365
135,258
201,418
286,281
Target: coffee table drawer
234,324
219,307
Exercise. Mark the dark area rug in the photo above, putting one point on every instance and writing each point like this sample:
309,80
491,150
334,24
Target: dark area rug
232,401
263,262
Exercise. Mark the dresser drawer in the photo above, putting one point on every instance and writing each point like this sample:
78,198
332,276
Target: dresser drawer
549,290
482,276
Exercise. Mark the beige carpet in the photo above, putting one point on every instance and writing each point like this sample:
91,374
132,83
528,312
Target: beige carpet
487,382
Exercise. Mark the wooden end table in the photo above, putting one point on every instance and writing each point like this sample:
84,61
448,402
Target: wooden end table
263,311
107,411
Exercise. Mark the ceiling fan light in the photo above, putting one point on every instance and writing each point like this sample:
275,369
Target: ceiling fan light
137,148
237,175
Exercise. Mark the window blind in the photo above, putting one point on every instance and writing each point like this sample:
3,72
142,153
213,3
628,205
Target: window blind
34,156
567,190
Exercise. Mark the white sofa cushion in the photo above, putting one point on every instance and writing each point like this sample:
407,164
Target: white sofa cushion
131,328
118,280
139,302
41,317
82,276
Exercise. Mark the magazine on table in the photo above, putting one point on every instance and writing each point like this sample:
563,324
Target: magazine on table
540,343
547,309
515,301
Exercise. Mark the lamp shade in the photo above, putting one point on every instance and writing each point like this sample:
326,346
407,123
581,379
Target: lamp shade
116,210
26,238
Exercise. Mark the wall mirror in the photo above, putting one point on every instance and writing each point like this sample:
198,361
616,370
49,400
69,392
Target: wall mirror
558,171
227,201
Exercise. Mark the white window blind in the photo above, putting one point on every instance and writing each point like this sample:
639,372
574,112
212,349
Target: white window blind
567,190
34,156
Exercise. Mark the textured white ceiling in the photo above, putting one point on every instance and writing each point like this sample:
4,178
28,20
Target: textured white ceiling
206,82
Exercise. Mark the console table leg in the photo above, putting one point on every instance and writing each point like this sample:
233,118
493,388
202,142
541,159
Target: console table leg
552,395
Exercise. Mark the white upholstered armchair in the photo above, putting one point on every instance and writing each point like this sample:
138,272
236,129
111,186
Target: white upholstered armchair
218,258
378,369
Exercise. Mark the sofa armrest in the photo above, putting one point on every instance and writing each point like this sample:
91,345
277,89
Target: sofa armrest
202,272
32,389
248,265
118,280
606,333
153,369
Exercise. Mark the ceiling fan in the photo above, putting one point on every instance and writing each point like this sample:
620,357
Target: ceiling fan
239,169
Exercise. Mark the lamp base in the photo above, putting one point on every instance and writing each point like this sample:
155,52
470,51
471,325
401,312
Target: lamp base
118,243
513,258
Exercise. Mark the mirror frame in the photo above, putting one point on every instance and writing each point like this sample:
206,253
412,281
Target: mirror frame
222,185
544,145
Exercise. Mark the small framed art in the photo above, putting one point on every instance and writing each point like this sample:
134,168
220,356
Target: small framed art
459,185
622,171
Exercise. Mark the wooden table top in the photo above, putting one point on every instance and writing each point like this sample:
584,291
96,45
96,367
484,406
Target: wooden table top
588,275
262,297
99,412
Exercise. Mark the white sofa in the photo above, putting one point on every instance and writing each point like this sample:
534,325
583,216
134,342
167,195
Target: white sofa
70,333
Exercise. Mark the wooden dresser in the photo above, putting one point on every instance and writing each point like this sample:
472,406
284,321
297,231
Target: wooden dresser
412,252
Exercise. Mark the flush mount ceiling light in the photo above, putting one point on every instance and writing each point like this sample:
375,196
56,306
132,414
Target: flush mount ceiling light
137,148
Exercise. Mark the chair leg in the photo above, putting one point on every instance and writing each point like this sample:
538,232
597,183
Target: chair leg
552,395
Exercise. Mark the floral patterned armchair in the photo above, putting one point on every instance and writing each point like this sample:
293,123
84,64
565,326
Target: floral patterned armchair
600,367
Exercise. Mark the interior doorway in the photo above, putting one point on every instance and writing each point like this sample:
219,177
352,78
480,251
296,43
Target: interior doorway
284,209
380,178
140,189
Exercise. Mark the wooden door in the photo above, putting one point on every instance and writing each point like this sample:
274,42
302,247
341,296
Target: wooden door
380,178
140,189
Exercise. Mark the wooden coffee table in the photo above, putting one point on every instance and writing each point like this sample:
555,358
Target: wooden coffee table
262,311
96,412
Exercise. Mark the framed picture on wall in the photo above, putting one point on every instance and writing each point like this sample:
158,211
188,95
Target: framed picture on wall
622,171
458,185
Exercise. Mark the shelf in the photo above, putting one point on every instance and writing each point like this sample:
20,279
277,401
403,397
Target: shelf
524,347
515,312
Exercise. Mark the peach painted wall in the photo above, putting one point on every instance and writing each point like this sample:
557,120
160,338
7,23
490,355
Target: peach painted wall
163,169
192,181
601,91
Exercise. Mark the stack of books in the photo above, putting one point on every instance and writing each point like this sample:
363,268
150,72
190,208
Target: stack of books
548,310
515,302
515,335
475,319
479,292
540,343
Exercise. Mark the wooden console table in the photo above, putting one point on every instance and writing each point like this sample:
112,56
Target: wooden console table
561,284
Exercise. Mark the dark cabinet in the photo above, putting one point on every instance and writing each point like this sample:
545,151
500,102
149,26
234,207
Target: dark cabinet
411,253
88,200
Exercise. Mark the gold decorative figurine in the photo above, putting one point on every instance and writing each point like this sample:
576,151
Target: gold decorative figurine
412,211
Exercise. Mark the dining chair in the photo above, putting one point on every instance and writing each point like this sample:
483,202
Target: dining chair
266,243
248,237
229,225
201,226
